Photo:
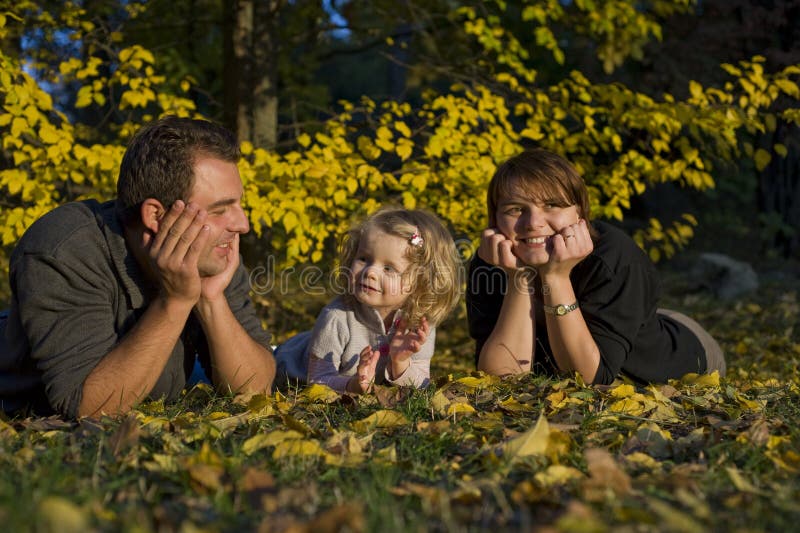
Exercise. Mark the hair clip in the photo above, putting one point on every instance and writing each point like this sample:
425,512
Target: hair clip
416,239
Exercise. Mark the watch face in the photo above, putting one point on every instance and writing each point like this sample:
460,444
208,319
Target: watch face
561,310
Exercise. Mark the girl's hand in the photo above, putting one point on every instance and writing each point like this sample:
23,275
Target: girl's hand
570,246
495,249
405,343
365,373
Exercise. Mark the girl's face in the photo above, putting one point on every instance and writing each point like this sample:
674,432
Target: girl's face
376,274
531,224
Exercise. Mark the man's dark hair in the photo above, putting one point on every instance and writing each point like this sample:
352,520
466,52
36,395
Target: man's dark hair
159,161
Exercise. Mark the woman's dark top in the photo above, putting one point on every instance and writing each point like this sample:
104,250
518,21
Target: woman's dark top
617,288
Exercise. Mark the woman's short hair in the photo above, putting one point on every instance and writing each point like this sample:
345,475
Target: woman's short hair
542,176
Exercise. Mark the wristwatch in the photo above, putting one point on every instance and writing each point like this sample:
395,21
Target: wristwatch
560,309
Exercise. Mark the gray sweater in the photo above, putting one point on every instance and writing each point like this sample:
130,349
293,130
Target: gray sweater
340,334
76,291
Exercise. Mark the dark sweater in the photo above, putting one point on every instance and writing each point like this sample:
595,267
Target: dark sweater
617,288
76,291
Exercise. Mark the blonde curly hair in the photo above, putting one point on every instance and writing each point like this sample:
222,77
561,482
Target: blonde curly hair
435,265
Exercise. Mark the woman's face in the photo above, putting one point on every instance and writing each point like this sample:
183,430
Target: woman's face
531,223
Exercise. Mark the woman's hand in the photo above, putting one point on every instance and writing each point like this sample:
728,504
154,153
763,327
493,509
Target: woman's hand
569,247
495,249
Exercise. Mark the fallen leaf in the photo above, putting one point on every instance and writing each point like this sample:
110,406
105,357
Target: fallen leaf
125,437
605,476
298,448
673,519
390,397
316,392
57,514
385,418
532,442
206,476
557,475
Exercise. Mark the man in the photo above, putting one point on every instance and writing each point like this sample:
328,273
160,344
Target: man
112,303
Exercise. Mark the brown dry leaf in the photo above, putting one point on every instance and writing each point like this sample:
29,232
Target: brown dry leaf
125,437
757,434
390,397
229,423
346,517
255,484
383,419
345,448
206,476
436,427
434,497
605,476
579,517
46,424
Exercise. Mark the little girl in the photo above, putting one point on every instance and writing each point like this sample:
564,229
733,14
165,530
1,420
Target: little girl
401,272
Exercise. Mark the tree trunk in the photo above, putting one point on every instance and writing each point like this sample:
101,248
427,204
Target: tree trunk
251,73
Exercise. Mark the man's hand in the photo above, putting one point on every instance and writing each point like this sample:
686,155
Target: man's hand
214,286
175,251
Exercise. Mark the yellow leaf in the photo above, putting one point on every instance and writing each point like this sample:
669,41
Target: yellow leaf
402,128
627,406
532,442
512,405
320,393
440,403
459,408
298,448
557,475
404,148
740,482
290,221
59,514
701,380
622,391
385,418
304,140
762,159
481,382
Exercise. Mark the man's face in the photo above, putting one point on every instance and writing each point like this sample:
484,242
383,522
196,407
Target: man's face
218,190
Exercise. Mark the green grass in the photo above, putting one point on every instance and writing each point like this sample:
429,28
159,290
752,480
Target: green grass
683,457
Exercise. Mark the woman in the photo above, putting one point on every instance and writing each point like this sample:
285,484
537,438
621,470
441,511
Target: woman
551,291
